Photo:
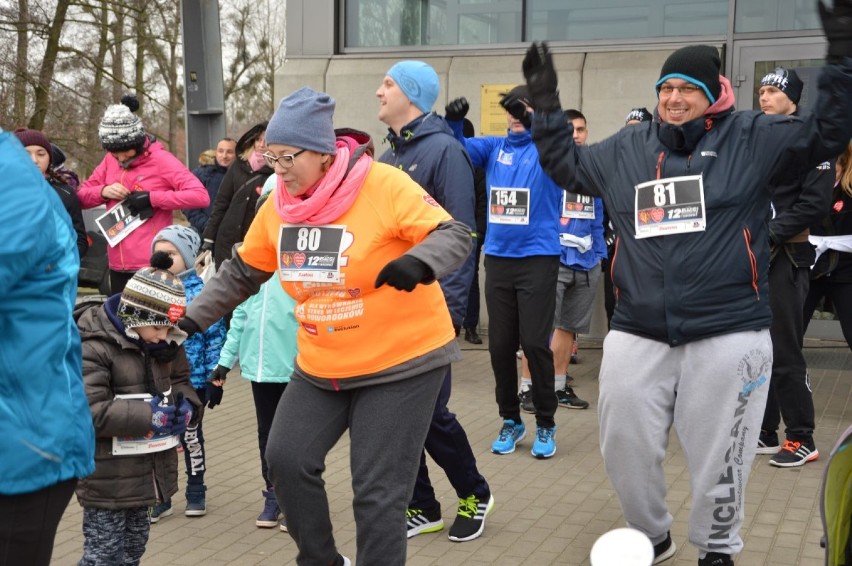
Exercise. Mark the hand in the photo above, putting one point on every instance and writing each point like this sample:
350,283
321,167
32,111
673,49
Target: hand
189,326
457,109
517,108
182,416
139,204
541,77
161,416
214,386
404,273
837,24
115,191
207,246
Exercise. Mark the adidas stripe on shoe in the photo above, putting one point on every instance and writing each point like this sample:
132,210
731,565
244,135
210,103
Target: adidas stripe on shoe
794,454
421,521
470,521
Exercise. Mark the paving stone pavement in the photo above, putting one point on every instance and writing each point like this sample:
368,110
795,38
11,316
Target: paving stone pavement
546,512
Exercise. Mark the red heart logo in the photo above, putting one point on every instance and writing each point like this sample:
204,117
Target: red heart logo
355,292
299,259
497,209
838,206
658,214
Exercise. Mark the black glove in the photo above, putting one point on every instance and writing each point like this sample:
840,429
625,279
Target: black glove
404,273
516,107
139,203
215,392
189,326
457,109
541,77
837,24
207,246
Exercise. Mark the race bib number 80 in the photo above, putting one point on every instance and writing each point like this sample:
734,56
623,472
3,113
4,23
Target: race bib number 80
310,253
674,205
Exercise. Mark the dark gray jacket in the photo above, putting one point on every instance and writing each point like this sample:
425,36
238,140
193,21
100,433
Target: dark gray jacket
685,287
114,365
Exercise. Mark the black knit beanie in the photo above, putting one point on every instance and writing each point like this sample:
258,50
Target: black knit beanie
787,81
698,64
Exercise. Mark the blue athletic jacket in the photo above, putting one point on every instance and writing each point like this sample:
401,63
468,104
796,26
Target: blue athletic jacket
426,150
583,227
512,162
45,423
202,348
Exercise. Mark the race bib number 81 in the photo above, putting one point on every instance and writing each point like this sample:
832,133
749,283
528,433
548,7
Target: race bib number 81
674,205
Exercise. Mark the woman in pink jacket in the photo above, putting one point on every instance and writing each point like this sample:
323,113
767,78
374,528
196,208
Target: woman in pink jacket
148,179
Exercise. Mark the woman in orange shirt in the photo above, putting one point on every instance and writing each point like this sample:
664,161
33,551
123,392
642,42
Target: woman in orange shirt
357,244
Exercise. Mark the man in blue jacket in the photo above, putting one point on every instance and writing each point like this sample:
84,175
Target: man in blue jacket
690,343
422,145
211,177
45,423
521,268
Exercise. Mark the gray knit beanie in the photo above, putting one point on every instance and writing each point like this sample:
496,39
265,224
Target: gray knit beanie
185,239
304,120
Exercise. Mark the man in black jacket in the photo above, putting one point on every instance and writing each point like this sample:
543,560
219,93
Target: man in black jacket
797,203
690,345
211,177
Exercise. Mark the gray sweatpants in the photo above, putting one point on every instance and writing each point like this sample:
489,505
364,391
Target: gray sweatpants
387,429
714,392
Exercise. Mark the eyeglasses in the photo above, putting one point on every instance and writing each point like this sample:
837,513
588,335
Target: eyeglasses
684,89
286,161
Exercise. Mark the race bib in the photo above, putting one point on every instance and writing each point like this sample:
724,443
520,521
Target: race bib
509,206
670,206
117,223
575,205
310,253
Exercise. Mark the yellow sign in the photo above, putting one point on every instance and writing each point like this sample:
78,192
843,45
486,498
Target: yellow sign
492,118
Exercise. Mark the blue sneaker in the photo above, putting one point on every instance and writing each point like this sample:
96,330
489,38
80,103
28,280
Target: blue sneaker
510,434
160,510
544,445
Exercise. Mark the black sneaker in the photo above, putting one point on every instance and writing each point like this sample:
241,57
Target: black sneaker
767,443
423,521
470,521
794,454
525,397
664,550
716,559
471,336
568,400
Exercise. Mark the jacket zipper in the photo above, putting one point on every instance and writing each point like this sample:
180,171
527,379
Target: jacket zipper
616,290
752,262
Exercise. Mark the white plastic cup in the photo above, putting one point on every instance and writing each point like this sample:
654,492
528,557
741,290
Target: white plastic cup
622,547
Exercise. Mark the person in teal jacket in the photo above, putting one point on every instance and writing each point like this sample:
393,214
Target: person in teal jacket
263,338
45,423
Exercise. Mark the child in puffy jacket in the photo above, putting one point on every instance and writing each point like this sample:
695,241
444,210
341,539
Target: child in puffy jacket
182,243
137,383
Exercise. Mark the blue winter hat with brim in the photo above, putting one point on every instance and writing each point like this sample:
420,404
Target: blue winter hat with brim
304,119
418,81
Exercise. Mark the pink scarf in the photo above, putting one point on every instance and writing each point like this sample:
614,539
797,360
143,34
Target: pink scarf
256,160
332,196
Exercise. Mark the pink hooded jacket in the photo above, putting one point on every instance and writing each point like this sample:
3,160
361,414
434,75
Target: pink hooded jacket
171,186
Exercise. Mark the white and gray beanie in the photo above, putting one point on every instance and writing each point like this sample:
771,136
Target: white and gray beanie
120,128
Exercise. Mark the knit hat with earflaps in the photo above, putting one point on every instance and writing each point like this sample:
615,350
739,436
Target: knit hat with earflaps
153,296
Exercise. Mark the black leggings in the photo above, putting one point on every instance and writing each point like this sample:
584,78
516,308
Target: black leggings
28,523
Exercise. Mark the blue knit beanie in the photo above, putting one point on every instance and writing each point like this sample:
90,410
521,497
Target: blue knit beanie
304,120
419,82
185,239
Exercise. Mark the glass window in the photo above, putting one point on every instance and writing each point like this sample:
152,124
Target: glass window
584,20
775,15
386,23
